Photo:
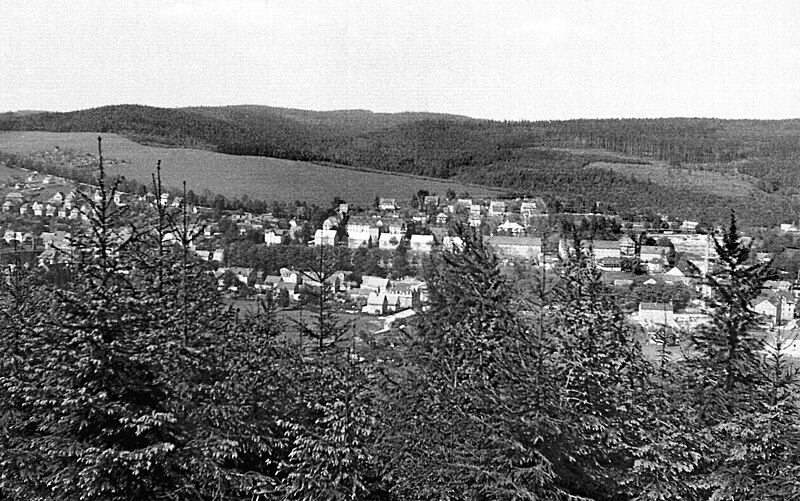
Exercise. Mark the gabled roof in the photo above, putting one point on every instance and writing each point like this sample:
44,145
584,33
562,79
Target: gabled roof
655,307
605,244
508,225
422,239
370,281
675,272
377,298
503,240
654,249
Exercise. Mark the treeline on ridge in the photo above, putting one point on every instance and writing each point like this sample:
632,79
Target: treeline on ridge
540,157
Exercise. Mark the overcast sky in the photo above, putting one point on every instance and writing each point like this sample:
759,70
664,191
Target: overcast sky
513,60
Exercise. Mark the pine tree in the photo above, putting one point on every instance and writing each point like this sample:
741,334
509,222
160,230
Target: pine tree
600,383
330,453
325,328
729,347
96,419
457,406
136,382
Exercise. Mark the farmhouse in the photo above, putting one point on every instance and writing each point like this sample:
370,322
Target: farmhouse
324,237
532,207
395,227
511,229
362,231
778,307
274,236
516,247
627,247
389,241
376,284
654,257
497,208
605,248
377,304
690,226
387,204
656,314
421,243
15,198
431,200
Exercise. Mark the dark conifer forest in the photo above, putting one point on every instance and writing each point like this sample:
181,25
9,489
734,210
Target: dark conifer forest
129,378
549,159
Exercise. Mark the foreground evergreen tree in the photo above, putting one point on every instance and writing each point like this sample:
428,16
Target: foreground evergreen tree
728,429
743,402
128,381
498,397
94,413
601,384
730,346
329,452
325,328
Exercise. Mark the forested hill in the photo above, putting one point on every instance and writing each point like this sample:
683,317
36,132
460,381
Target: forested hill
555,159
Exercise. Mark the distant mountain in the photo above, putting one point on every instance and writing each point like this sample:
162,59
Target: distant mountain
339,121
558,159
143,123
21,113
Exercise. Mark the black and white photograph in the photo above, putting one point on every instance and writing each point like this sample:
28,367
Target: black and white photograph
373,250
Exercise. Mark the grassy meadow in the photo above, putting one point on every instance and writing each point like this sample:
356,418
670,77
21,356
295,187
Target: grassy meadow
235,176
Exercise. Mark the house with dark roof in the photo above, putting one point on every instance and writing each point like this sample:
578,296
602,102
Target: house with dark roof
529,248
778,306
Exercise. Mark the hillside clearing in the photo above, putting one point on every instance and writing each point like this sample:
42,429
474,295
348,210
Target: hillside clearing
236,176
660,173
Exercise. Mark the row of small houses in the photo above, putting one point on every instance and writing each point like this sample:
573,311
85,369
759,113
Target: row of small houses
527,207
73,205
378,295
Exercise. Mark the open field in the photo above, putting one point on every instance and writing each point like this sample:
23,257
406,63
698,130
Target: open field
736,185
235,176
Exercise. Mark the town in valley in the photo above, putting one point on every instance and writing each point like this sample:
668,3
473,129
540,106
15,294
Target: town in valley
655,265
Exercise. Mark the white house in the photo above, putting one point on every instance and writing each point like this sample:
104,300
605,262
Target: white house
388,204
389,241
512,229
377,304
421,243
373,283
324,237
656,314
273,236
497,208
778,306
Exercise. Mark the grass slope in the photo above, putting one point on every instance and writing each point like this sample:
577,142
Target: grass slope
661,173
235,176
